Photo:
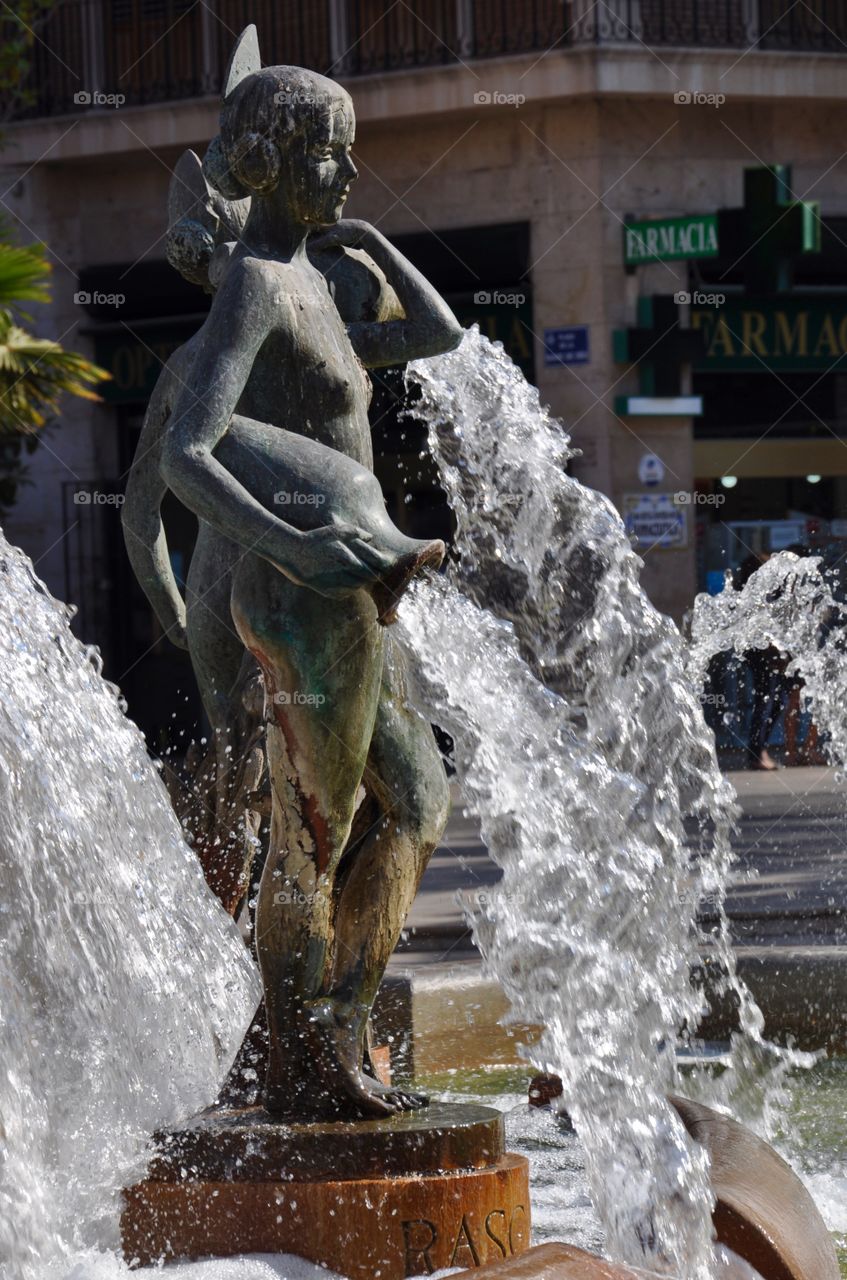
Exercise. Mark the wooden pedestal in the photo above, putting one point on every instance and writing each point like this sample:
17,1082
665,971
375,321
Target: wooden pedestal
377,1198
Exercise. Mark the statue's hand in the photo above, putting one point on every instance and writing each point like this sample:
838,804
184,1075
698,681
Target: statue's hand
352,233
178,635
336,559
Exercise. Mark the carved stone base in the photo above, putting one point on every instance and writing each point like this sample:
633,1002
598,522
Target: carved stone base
393,1198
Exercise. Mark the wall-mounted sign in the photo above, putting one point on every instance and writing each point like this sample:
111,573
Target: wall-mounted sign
655,520
752,335
670,239
651,470
659,406
566,346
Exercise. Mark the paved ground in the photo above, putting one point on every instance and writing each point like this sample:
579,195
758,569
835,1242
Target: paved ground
789,926
793,833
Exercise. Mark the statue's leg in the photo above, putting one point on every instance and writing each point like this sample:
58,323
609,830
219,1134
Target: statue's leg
213,642
221,774
322,663
406,776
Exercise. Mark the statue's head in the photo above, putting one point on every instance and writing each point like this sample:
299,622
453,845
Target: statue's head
291,129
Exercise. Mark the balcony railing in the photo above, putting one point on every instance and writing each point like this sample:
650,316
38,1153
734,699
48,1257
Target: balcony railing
160,50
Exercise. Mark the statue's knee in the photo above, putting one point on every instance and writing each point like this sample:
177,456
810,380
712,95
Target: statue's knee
429,808
441,804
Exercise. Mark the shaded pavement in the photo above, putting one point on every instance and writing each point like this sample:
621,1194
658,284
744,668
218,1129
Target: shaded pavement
792,834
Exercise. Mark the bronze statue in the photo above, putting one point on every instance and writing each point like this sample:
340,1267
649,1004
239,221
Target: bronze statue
259,425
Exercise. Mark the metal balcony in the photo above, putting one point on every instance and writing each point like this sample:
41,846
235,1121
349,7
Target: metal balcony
88,52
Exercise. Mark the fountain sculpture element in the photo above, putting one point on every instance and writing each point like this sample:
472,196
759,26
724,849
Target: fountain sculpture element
267,441
259,425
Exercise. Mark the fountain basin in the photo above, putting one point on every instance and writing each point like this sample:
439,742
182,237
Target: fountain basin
567,1262
762,1212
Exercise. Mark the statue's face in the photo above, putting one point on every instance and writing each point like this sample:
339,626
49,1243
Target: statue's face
324,169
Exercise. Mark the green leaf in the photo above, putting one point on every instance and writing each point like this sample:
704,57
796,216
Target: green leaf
33,374
23,274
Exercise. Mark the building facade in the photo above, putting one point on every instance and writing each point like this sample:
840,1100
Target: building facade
645,201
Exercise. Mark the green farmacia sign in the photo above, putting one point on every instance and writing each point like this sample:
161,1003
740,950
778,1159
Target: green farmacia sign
668,239
748,334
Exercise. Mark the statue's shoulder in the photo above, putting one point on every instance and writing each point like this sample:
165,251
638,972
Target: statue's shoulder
232,266
240,277
237,268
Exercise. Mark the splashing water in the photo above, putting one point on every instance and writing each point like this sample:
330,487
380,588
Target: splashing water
787,604
581,930
581,745
124,988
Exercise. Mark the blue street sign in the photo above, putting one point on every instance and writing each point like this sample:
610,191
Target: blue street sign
566,346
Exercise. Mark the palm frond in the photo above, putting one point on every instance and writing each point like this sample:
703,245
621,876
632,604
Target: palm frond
33,374
23,274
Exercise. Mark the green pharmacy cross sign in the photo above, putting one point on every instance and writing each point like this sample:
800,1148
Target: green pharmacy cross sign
762,238
772,228
671,239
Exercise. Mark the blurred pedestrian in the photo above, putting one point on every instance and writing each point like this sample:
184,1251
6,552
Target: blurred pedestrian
767,675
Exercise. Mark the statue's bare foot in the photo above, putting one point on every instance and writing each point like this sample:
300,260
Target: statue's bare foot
410,1100
337,1035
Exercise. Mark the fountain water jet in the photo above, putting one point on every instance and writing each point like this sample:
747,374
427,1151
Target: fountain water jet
124,987
576,833
581,745
579,740
788,603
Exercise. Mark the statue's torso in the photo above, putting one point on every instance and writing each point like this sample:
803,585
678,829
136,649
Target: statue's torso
306,376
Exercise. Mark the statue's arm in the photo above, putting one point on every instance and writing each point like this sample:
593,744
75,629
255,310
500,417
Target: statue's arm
246,308
428,327
238,324
141,515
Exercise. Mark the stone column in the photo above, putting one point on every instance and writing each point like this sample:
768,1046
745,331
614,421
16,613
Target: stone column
465,28
209,47
339,38
93,55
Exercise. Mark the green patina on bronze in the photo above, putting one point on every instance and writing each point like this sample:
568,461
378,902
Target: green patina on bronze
259,425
